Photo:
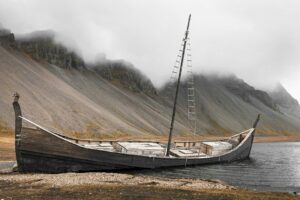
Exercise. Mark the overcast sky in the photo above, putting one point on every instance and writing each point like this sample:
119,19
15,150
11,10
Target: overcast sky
258,40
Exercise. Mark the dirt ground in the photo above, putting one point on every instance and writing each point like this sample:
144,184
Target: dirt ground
7,148
121,186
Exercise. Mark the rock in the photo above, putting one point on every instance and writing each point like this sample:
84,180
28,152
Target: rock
124,74
15,167
42,47
7,39
245,91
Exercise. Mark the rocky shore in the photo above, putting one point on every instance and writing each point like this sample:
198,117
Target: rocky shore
101,185
110,179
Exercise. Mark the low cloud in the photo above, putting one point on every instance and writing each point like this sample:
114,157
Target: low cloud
258,40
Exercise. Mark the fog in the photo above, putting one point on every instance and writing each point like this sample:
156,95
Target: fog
258,40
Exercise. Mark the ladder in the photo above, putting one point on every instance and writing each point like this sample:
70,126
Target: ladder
174,76
191,99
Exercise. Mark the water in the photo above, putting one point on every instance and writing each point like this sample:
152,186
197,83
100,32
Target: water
272,167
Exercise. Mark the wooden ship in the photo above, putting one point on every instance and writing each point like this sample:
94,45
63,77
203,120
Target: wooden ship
41,150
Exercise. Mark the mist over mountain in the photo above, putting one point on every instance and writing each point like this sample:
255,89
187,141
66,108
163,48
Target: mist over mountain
60,90
286,103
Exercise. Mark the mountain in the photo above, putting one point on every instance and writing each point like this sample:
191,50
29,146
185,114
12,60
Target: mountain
227,103
287,104
124,74
61,91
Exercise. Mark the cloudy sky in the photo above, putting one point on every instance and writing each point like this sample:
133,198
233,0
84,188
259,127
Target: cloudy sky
258,40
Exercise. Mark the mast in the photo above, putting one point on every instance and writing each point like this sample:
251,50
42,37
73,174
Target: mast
177,87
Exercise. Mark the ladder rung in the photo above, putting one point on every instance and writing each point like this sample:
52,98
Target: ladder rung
192,113
191,88
189,60
174,72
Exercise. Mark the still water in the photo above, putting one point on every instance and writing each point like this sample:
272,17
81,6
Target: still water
272,167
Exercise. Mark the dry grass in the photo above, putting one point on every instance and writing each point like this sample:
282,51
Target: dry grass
292,138
7,144
7,148
120,136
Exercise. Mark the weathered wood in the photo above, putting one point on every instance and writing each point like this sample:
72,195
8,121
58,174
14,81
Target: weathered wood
18,127
44,152
41,150
256,121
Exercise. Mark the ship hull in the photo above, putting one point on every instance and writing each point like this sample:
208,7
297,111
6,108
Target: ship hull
41,151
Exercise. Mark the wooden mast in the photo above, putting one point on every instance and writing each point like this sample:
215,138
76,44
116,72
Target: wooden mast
177,87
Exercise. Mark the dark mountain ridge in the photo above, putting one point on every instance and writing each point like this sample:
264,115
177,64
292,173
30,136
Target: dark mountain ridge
41,46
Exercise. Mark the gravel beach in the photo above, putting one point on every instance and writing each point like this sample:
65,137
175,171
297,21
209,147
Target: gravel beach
100,185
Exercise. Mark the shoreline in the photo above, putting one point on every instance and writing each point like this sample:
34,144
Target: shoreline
101,185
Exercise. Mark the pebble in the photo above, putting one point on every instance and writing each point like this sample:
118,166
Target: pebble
102,178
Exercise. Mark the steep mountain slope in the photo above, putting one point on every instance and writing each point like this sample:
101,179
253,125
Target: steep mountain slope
286,103
74,100
59,90
228,103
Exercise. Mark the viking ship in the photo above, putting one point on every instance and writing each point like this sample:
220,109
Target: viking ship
42,150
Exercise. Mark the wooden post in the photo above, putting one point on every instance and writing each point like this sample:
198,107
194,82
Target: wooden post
18,127
177,87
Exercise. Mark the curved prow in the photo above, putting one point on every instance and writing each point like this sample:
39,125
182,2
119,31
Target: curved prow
18,113
256,121
18,127
253,132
